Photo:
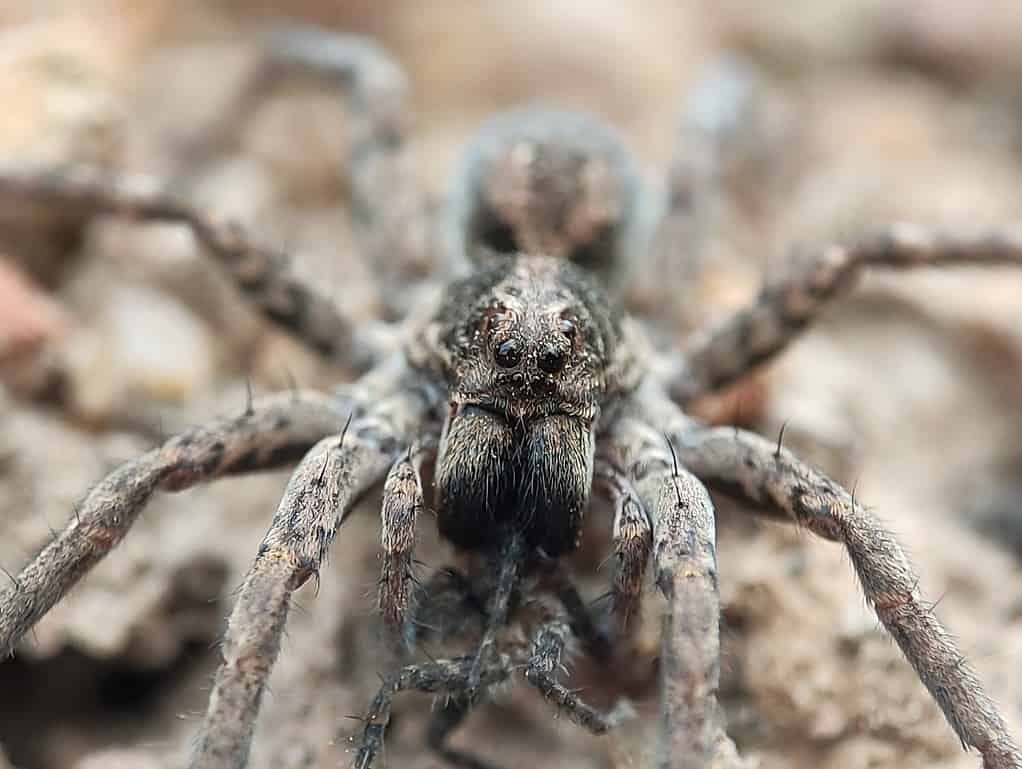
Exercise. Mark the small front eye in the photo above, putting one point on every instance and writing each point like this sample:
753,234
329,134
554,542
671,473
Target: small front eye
508,353
552,359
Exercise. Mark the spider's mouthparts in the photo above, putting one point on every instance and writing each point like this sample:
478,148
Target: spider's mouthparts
464,408
518,412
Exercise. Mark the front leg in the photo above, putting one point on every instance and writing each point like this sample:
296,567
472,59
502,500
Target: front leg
685,572
390,211
271,432
776,481
632,536
324,489
402,503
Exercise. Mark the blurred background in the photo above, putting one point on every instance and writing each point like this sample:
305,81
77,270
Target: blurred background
114,334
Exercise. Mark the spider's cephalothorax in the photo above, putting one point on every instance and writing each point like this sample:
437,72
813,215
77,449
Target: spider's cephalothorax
543,211
533,384
528,343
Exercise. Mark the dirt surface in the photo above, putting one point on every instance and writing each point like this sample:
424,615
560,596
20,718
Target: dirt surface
114,333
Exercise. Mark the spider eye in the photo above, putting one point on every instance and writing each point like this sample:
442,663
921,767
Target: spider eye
552,359
508,353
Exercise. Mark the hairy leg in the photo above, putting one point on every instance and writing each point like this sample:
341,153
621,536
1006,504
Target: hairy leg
331,478
457,678
271,432
720,129
555,579
451,676
402,503
719,356
633,543
545,659
448,608
389,209
685,571
509,567
775,480
293,301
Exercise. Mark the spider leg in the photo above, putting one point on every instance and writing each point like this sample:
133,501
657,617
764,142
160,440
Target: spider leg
452,676
291,300
545,655
272,432
390,211
509,567
744,464
449,608
324,488
556,580
453,609
633,543
458,677
719,356
685,571
402,502
720,128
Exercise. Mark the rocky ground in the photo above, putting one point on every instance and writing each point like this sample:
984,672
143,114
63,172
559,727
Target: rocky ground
113,334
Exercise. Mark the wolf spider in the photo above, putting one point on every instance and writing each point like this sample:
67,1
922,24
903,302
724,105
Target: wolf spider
527,385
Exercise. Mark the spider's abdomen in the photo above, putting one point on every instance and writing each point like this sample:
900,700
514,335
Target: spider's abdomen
539,180
533,478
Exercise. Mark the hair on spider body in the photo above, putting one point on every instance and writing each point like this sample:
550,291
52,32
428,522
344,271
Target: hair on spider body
528,342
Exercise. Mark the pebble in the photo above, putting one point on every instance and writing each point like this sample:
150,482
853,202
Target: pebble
143,345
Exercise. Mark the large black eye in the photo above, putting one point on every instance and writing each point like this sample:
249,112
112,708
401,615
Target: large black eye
552,359
508,354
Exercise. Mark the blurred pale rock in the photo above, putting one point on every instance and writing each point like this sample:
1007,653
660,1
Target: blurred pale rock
961,38
59,87
301,140
142,345
64,79
120,759
31,324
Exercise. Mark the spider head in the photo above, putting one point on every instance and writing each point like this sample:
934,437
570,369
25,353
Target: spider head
532,340
542,181
529,342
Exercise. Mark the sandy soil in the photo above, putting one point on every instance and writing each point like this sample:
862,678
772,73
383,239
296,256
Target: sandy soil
112,334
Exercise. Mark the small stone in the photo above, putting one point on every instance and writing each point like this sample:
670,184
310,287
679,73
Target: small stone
122,758
30,321
143,346
856,625
829,723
